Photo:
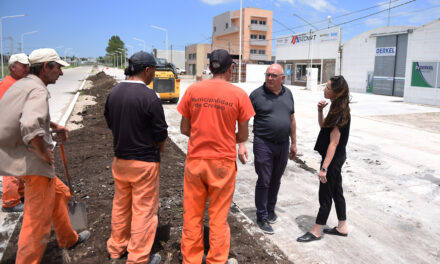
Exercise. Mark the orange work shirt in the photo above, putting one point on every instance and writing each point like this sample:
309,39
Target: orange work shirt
214,107
7,82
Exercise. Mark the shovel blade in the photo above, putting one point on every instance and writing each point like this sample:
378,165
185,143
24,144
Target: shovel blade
78,215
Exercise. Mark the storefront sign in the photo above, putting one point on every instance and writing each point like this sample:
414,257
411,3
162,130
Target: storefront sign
425,74
306,38
386,51
303,37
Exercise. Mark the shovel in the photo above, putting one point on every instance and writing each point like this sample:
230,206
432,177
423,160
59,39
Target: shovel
77,210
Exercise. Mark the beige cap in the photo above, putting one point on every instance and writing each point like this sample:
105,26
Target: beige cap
44,55
20,57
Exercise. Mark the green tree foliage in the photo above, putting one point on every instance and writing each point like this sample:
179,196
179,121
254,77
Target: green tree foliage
115,44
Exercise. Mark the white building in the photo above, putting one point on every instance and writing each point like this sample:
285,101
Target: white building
318,49
396,60
422,80
375,61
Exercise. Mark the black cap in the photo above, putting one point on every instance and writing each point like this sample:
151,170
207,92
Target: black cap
219,61
143,59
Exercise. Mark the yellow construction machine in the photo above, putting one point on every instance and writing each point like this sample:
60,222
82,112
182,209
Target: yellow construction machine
166,81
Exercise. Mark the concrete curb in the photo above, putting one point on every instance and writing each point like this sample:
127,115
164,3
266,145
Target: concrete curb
67,114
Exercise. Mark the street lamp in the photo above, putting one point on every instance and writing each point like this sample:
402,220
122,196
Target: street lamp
117,52
166,38
65,52
1,37
122,54
113,58
22,40
131,47
239,52
141,40
310,35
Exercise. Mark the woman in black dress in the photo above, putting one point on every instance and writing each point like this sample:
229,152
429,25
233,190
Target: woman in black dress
331,142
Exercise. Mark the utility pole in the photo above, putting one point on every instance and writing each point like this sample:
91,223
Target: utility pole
12,45
240,44
171,48
389,10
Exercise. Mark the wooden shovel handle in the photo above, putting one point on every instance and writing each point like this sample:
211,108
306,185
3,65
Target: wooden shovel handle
63,157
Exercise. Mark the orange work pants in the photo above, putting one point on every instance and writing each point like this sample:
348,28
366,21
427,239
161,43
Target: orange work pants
13,191
45,204
213,179
135,206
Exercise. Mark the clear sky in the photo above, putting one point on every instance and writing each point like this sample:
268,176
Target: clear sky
83,27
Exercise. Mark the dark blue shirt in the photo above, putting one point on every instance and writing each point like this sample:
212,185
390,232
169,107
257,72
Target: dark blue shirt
135,115
272,120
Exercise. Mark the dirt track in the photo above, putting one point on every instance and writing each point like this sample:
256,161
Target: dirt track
89,154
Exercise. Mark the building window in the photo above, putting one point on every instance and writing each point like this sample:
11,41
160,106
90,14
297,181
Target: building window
215,28
300,72
253,51
208,55
227,25
253,36
262,22
261,52
262,37
254,21
194,56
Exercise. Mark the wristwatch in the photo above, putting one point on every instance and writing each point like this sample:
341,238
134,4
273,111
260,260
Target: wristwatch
324,169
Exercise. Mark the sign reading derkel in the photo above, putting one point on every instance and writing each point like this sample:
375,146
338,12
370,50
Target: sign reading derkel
386,51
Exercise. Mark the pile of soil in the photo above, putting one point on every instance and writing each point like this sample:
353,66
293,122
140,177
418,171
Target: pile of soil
89,154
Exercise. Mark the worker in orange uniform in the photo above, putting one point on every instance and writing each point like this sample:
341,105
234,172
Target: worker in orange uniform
13,187
135,115
26,151
210,110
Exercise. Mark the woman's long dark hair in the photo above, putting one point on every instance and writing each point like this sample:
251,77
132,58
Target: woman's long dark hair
339,113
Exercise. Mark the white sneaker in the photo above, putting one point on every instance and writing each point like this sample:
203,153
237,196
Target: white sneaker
155,259
232,261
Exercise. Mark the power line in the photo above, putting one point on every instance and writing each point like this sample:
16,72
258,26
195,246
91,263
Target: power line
236,42
283,25
346,14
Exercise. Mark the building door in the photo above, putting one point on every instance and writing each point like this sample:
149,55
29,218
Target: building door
288,73
389,65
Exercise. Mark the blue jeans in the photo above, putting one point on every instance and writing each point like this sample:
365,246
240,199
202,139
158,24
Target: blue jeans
270,163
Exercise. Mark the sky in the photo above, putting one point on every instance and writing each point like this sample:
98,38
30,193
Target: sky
83,27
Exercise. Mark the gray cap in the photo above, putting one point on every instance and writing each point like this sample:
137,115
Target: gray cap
142,59
220,60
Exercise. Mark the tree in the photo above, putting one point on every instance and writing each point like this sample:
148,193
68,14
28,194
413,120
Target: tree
115,44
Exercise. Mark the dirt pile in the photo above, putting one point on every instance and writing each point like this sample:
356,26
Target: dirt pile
89,154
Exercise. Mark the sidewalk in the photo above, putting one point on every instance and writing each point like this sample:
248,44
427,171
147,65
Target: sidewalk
391,184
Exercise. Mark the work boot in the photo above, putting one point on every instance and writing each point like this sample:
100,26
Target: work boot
232,261
155,259
272,217
82,237
16,209
265,226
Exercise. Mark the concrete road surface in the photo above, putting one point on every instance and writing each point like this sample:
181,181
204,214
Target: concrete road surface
391,183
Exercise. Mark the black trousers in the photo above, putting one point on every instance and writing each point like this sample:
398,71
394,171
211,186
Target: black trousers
331,190
270,163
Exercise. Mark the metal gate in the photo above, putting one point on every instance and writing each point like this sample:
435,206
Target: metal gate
389,65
